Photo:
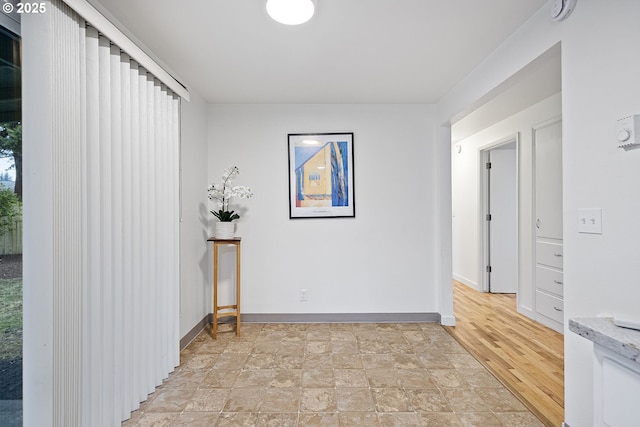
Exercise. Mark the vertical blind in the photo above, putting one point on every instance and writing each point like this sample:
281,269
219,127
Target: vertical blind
115,204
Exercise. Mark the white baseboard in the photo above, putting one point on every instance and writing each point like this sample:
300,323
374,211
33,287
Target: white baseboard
448,320
466,281
526,311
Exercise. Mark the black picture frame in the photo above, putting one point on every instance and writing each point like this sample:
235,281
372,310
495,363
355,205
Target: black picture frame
321,175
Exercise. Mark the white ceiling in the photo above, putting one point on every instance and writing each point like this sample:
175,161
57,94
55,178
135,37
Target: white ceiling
352,51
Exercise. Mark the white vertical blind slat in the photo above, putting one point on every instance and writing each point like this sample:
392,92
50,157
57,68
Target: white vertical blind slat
166,217
174,232
127,245
145,287
161,137
118,308
84,262
156,365
139,378
92,335
106,225
175,243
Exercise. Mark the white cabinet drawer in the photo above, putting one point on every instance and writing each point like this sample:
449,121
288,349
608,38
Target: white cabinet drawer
549,280
550,306
549,254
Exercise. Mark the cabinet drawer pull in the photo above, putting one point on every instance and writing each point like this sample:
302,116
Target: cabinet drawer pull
558,255
556,308
558,282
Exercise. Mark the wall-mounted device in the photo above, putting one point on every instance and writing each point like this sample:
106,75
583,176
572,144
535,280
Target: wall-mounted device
628,128
560,9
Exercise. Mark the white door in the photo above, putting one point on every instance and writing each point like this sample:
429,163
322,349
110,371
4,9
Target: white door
503,259
548,156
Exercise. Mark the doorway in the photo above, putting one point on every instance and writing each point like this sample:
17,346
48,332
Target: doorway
525,99
499,216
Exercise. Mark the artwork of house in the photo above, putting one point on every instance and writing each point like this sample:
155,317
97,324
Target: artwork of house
321,175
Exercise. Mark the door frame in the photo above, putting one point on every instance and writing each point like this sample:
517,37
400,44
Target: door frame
483,206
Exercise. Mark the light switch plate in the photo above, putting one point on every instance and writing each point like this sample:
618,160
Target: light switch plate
590,220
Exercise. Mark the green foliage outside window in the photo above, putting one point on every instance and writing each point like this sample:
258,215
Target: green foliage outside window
11,147
10,208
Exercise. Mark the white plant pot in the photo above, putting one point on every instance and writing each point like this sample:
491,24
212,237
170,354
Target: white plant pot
224,230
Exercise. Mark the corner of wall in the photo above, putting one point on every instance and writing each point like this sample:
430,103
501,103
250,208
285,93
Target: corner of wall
194,260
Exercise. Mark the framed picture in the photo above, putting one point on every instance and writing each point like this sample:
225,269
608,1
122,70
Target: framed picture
321,175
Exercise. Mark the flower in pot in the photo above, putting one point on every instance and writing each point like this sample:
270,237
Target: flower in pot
221,193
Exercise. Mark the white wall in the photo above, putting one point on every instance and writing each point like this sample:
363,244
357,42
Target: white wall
383,260
599,85
601,271
466,204
444,276
195,287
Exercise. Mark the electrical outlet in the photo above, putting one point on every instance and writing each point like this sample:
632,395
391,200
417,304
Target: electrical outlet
303,295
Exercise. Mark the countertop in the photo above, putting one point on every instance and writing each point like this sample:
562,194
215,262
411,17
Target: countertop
602,331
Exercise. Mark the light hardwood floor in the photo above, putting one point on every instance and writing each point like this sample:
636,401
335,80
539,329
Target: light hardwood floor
527,357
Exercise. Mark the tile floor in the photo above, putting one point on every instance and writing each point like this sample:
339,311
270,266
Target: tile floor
333,375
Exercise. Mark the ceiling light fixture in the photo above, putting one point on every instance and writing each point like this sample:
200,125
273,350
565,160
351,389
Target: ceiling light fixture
291,12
